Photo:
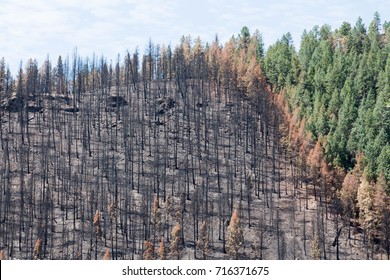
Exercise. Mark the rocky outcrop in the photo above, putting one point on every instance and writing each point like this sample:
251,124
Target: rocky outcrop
164,104
14,103
116,101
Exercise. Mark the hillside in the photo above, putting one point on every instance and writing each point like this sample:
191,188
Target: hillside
191,153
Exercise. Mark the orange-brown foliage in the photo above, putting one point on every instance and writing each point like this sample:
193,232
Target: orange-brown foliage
162,250
96,223
96,218
175,241
37,253
149,250
112,210
348,193
107,255
381,200
316,156
235,236
2,255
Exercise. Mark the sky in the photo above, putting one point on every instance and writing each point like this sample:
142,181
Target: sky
48,28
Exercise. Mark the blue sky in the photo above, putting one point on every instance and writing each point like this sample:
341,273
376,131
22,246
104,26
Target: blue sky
37,28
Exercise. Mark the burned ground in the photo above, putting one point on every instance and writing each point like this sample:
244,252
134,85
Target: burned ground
147,160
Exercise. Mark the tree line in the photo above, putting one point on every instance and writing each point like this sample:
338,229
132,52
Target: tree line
335,97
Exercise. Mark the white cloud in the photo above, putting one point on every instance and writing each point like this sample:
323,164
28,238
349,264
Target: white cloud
37,28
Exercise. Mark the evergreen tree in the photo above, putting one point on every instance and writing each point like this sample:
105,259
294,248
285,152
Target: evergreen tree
244,39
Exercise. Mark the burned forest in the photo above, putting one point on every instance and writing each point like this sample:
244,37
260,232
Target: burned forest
178,153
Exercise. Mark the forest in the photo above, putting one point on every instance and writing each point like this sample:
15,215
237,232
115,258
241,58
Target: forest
201,150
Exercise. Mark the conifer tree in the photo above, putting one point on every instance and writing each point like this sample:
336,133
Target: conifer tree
149,251
107,255
175,246
96,223
365,202
2,255
37,253
162,252
203,241
315,248
235,237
